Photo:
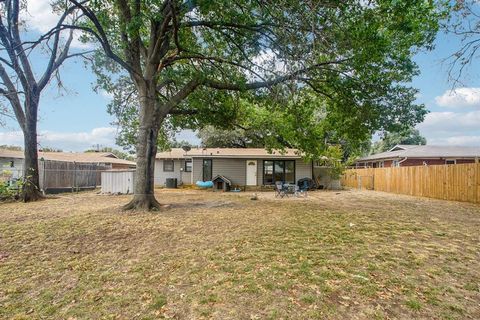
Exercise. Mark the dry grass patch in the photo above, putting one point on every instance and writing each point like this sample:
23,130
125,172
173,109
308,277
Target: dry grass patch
212,255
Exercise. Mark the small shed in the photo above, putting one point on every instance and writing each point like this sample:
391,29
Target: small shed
118,181
221,183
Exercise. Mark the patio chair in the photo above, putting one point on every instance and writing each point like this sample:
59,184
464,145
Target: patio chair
303,187
279,190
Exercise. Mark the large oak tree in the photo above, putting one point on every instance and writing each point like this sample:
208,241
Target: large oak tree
302,68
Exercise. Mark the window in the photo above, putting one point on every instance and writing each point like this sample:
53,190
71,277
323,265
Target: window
381,164
451,161
207,169
289,172
168,165
188,165
12,164
278,170
268,172
395,163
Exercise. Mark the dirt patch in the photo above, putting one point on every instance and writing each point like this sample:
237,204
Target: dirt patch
330,255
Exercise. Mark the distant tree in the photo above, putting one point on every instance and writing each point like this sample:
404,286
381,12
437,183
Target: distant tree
22,82
464,23
178,144
10,147
116,152
409,136
212,137
50,149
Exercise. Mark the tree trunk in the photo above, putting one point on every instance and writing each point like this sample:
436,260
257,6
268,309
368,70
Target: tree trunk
31,177
144,198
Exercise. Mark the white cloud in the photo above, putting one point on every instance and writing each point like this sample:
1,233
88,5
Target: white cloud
451,122
452,128
189,136
459,98
106,95
456,141
67,141
80,141
40,17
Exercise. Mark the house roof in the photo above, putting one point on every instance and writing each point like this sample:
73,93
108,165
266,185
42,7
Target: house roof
415,151
244,153
80,157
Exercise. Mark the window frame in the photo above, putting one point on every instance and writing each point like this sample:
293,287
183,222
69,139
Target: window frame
283,173
447,160
173,165
185,167
203,169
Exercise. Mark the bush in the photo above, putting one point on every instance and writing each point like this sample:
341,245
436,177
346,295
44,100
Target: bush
7,192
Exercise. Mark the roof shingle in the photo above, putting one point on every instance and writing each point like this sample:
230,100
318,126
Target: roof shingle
80,157
426,151
179,153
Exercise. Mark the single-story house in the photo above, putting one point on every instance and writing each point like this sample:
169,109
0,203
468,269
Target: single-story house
243,167
418,155
13,160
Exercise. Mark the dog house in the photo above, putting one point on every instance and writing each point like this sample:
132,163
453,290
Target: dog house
220,183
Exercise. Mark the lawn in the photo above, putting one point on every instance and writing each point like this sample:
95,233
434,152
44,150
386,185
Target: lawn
334,255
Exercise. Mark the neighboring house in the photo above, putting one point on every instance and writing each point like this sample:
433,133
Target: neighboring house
418,155
242,167
13,160
61,170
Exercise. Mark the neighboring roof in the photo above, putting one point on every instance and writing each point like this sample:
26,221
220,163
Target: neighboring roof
80,157
415,151
403,147
245,153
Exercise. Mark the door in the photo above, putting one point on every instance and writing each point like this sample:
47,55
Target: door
251,172
207,169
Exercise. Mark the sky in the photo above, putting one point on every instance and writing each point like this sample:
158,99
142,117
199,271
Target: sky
76,118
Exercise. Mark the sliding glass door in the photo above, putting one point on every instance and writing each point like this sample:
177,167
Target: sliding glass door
278,170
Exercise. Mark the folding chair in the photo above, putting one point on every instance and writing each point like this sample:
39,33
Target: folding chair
279,190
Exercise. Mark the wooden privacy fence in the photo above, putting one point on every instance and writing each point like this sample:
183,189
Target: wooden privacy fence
61,175
458,182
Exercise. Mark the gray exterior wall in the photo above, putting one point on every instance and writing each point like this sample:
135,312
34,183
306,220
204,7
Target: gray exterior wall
236,169
302,169
197,174
233,169
161,176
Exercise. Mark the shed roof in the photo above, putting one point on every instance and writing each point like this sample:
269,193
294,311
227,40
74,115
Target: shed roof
245,153
80,157
220,177
427,151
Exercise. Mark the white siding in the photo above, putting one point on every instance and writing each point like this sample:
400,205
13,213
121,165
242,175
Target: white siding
117,181
16,170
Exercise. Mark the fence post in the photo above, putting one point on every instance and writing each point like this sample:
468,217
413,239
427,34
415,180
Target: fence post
74,176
